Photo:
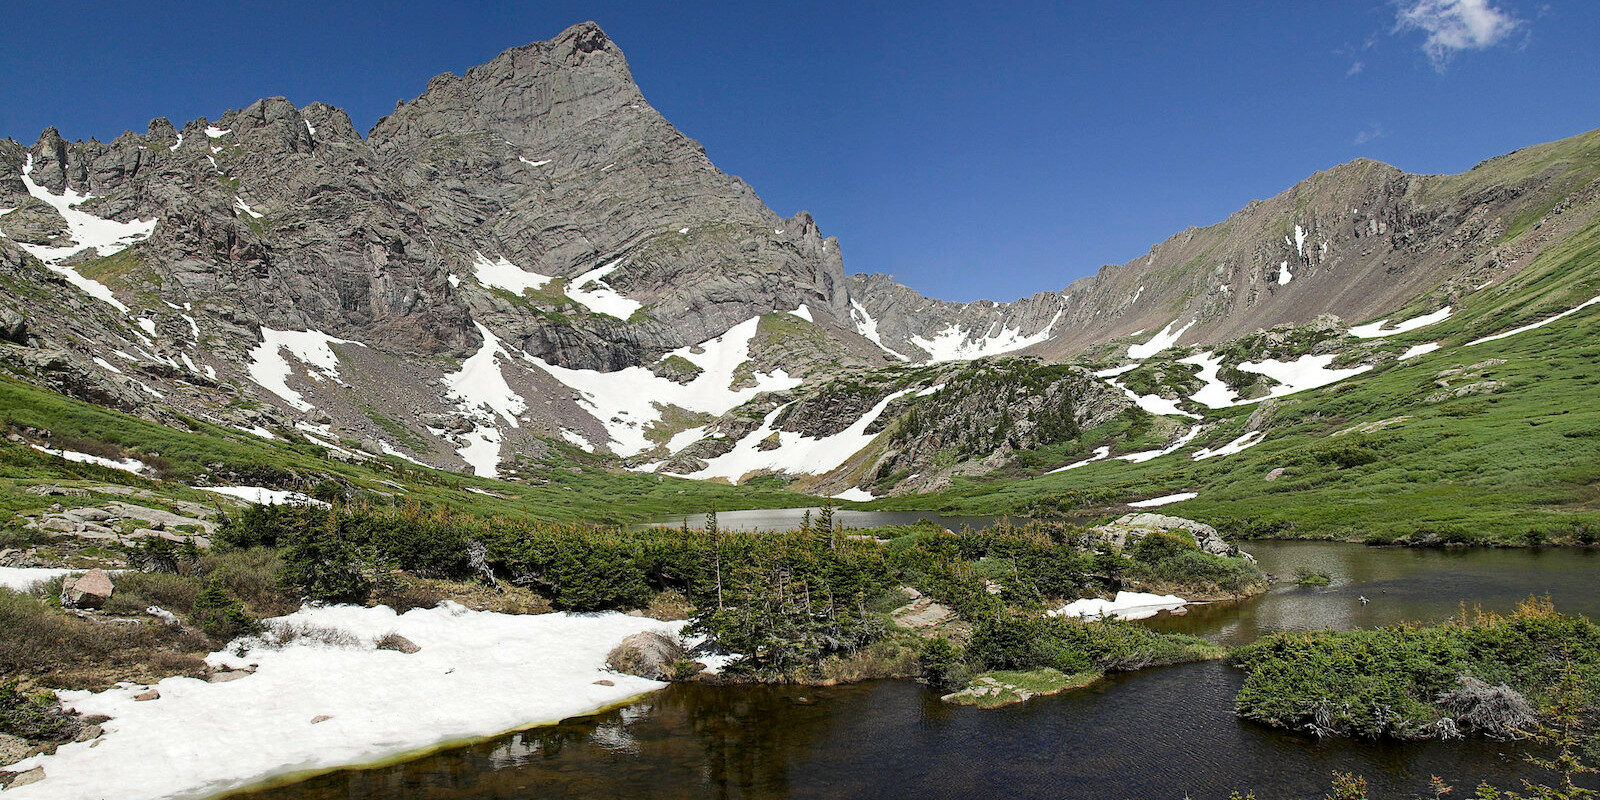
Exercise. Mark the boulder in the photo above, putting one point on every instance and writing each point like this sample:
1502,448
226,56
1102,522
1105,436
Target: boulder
321,718
151,693
13,327
24,778
398,644
647,655
89,590
1132,527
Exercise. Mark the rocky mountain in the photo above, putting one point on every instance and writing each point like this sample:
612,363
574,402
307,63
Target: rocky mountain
528,257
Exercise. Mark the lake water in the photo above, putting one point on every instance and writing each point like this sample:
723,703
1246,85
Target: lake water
1165,733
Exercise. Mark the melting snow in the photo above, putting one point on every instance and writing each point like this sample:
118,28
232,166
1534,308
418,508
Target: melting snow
1146,455
1244,442
1284,275
629,400
21,579
309,129
1300,241
795,454
1215,394
478,673
107,236
1376,329
803,312
261,495
1154,403
855,494
591,290
868,327
271,370
481,387
1301,374
1419,350
177,144
245,207
502,274
1164,500
533,163
106,365
1099,453
1127,605
1540,324
951,344
1161,341
132,465
217,133
1115,371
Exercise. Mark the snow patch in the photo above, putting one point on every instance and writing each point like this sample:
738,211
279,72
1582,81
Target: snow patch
539,163
217,133
1216,393
951,344
855,494
271,370
1147,455
1299,241
1161,341
21,579
1164,500
1376,329
132,465
478,673
1419,350
502,274
1304,373
1284,275
260,495
1240,444
796,454
1540,324
106,237
1099,454
868,327
629,401
591,290
245,207
1126,605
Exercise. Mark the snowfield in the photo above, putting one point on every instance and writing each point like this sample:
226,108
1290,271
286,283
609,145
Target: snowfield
1164,339
262,496
132,465
21,579
629,401
1376,329
1126,605
795,454
951,344
1164,500
478,673
270,369
502,274
1533,326
107,236
591,290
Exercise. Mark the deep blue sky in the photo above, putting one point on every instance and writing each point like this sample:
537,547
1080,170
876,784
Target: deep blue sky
973,152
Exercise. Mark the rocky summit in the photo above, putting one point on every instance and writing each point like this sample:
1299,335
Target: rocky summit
528,259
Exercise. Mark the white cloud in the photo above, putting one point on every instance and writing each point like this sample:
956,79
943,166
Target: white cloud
1373,131
1455,25
1354,70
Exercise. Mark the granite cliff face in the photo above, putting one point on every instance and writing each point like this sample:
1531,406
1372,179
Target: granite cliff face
528,256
